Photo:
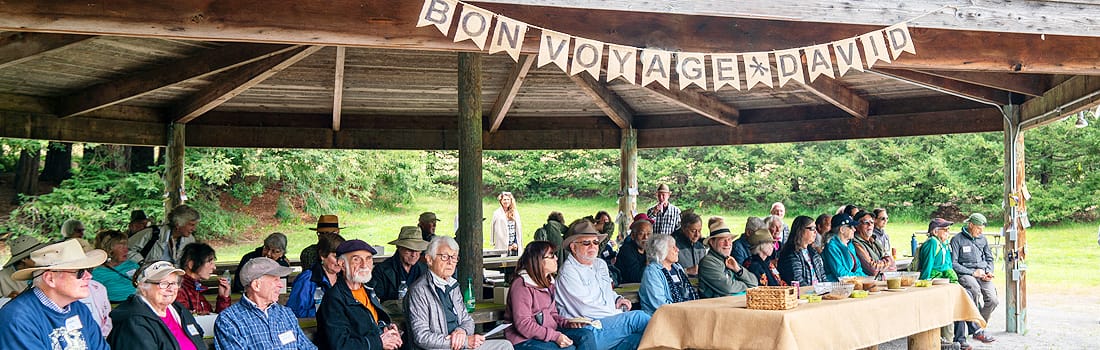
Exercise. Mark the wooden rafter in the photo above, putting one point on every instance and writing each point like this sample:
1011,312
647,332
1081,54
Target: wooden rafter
237,81
610,102
977,92
1072,96
393,25
338,87
697,102
508,93
1027,84
839,95
135,85
18,47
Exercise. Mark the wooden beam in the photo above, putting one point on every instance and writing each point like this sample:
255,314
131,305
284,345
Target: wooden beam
204,64
85,129
1027,84
839,95
338,88
610,102
933,123
1035,17
18,47
1072,96
470,145
391,25
508,93
237,81
976,92
173,172
697,102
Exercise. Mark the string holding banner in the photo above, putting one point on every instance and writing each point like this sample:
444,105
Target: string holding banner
574,54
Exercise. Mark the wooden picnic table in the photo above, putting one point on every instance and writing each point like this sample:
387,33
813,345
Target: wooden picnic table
917,313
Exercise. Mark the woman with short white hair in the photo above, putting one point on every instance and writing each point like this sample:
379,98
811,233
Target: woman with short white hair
664,281
151,319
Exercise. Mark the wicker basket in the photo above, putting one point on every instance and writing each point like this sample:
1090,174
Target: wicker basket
772,298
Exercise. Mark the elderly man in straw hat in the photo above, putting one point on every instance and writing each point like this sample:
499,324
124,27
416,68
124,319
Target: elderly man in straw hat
351,317
165,242
325,224
666,217
49,315
584,290
21,249
392,277
257,321
720,274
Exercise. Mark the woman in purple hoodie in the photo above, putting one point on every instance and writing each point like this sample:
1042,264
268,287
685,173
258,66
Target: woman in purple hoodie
536,323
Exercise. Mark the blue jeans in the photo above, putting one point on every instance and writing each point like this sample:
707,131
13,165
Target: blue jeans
622,331
583,339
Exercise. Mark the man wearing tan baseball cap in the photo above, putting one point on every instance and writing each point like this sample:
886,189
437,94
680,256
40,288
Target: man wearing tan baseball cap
48,316
257,321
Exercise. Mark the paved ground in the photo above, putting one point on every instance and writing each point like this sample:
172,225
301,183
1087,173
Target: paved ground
1054,321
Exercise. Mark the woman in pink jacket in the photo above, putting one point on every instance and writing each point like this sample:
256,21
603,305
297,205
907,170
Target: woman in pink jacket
536,323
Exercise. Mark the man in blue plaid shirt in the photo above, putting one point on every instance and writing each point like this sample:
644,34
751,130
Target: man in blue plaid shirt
257,321
666,216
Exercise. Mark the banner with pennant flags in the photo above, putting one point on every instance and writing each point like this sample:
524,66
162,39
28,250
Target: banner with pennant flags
574,55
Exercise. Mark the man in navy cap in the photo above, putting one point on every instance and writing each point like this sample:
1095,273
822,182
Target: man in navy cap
351,316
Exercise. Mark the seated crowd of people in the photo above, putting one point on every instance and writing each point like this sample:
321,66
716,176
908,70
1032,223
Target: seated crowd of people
561,296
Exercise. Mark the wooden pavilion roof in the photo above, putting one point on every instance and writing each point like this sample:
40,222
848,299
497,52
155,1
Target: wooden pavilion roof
359,74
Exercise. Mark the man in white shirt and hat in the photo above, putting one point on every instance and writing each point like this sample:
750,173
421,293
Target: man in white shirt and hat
49,316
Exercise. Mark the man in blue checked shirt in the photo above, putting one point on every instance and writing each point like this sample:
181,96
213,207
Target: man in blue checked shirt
257,321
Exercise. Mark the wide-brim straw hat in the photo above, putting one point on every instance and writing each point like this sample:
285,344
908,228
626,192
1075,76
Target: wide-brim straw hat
22,247
718,230
327,223
582,229
66,255
411,237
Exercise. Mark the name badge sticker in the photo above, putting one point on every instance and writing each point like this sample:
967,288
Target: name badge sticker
73,323
286,337
675,278
192,329
966,249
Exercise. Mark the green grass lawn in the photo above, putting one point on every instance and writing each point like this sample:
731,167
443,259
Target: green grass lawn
1061,258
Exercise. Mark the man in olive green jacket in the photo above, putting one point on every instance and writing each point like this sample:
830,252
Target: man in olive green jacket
719,274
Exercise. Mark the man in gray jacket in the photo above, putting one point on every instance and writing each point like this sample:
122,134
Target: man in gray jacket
437,316
973,263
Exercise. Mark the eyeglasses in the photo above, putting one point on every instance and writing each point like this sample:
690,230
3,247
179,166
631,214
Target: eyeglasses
166,284
884,218
867,222
79,273
447,258
587,243
811,228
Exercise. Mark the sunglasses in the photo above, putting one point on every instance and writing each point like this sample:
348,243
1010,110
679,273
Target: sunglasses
587,243
550,257
811,228
884,218
79,273
867,222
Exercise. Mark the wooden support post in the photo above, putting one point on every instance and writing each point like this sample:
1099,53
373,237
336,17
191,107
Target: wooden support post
173,173
469,170
927,340
1014,233
628,178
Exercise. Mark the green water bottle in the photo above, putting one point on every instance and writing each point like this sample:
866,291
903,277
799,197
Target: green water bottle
468,294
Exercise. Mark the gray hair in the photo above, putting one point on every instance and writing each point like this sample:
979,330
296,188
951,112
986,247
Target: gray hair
754,223
276,240
182,214
756,249
657,247
37,281
773,219
69,226
438,242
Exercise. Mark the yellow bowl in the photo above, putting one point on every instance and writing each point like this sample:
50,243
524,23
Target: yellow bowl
859,294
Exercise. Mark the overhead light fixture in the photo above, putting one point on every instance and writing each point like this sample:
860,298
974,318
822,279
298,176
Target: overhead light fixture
1081,122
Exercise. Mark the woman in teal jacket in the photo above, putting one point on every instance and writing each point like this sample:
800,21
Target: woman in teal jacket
840,253
935,253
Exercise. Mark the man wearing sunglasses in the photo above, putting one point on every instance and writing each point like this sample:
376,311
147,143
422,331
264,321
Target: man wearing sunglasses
48,316
584,290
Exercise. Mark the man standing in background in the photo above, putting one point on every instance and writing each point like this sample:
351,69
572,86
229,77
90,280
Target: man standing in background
666,217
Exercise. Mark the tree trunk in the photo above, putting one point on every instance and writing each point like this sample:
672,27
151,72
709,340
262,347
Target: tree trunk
59,162
141,159
26,171
114,157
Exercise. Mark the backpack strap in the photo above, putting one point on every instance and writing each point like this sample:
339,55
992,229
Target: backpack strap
149,244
